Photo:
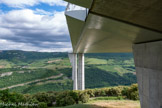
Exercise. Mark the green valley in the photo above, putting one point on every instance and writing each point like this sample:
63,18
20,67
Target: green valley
32,72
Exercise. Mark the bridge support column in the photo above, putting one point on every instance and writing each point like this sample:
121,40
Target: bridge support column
81,76
148,62
73,60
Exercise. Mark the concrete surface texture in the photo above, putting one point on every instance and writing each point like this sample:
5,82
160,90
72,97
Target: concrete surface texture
75,27
73,60
102,35
148,62
78,75
81,75
147,13
114,25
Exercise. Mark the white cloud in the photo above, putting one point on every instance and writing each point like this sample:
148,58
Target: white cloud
6,32
31,31
19,16
24,3
19,3
42,12
54,2
28,19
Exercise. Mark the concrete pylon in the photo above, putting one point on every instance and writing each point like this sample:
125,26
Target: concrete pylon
81,74
148,62
73,60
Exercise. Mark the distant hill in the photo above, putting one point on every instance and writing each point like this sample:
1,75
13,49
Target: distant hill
26,56
31,72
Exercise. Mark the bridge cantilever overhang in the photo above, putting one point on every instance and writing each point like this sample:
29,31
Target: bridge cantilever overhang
102,26
115,25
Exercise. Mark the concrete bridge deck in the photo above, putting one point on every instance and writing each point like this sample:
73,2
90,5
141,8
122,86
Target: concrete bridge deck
120,26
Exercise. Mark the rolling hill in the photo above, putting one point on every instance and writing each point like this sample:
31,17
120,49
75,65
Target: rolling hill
32,72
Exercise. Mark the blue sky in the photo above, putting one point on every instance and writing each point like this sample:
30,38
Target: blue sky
34,25
43,6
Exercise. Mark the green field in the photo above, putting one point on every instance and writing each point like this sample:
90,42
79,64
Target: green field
106,102
31,72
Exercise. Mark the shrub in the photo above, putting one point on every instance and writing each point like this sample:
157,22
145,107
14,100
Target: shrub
42,105
67,98
102,92
83,97
131,92
96,92
114,92
90,92
6,96
134,95
99,92
30,99
125,91
74,95
45,97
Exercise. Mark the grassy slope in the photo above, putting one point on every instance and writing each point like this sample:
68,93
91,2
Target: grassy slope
101,70
106,102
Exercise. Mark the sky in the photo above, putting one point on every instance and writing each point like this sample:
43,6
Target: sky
34,25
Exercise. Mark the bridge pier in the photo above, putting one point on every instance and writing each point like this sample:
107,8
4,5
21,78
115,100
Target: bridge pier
81,76
148,62
78,75
73,60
